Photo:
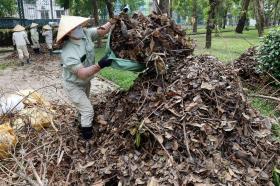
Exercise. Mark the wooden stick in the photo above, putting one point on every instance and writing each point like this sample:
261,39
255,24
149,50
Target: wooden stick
263,167
170,157
30,181
40,183
265,97
187,141
273,78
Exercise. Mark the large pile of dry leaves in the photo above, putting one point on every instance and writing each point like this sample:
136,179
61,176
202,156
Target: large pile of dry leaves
192,126
247,66
252,77
149,39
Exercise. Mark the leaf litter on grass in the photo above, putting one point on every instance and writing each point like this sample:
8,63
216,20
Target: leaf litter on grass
191,126
149,40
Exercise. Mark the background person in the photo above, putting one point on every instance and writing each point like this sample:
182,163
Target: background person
35,38
47,32
20,40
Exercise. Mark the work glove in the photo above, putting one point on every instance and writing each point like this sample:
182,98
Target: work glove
86,132
113,20
105,62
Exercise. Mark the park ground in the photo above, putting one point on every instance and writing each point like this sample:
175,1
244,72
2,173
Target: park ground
226,46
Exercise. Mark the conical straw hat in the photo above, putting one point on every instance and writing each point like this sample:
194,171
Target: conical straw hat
18,28
47,27
33,25
67,24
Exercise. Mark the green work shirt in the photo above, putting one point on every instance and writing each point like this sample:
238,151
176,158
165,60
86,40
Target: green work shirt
78,53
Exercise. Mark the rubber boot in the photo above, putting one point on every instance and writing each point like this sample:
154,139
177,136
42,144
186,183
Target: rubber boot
86,133
50,51
28,61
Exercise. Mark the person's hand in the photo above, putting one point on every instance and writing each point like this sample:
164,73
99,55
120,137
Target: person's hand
105,62
113,20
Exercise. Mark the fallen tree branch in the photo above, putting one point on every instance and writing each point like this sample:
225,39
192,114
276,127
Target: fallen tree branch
187,141
263,167
167,153
265,97
40,183
273,77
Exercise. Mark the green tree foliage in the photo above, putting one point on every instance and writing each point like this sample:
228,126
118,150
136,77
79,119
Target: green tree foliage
77,7
276,176
269,53
84,7
184,9
7,8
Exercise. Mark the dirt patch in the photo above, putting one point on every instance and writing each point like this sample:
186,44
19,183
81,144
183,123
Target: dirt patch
43,74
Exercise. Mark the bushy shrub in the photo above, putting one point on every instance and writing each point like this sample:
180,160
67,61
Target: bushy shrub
269,53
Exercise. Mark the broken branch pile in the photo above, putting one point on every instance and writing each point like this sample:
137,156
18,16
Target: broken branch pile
192,126
140,38
203,128
252,77
247,66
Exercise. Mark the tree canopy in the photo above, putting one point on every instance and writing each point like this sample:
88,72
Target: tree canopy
7,8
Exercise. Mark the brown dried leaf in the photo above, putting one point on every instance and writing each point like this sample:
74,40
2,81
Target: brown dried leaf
207,86
159,138
153,182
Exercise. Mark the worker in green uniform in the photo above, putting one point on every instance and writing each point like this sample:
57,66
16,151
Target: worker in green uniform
78,64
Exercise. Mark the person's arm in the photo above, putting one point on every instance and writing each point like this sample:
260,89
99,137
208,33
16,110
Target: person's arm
14,42
104,29
86,72
95,33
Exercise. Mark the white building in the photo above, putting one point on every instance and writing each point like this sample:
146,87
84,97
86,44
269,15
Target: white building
41,9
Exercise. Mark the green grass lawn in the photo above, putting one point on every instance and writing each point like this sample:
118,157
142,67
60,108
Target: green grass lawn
227,46
124,79
202,29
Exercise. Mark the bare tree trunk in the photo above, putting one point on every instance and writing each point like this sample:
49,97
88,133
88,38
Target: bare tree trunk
210,22
194,16
243,16
170,8
164,7
275,13
110,8
96,20
156,7
259,12
51,4
225,18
